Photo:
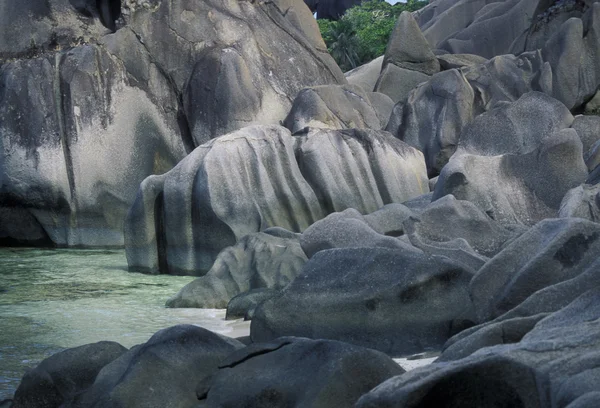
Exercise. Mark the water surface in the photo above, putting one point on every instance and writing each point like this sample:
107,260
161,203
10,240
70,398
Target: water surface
55,299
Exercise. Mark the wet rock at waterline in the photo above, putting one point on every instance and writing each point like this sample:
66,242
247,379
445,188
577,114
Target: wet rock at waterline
162,372
257,261
558,360
395,301
296,372
57,379
76,100
261,177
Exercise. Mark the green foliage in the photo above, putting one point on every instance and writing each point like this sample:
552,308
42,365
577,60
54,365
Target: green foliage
362,33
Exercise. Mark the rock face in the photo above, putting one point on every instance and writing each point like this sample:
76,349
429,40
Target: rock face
257,261
262,177
582,202
86,115
549,253
57,379
330,9
332,107
395,301
296,372
162,372
556,363
517,188
408,60
564,69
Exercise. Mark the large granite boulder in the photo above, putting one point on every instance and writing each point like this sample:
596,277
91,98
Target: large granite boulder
332,107
296,372
261,177
408,60
551,252
86,115
366,75
396,301
162,372
554,364
582,202
57,379
257,261
517,188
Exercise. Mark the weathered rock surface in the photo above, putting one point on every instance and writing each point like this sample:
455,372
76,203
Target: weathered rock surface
261,177
395,301
243,305
582,202
296,372
258,260
588,129
555,364
408,60
366,75
551,252
450,61
86,115
517,188
57,379
162,372
332,107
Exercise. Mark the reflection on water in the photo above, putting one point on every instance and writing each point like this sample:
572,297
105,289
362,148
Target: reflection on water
55,299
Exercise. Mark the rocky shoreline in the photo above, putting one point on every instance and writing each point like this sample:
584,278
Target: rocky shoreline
442,199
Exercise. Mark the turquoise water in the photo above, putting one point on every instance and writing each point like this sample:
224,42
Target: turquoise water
55,299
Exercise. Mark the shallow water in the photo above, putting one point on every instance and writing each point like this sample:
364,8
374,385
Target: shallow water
55,299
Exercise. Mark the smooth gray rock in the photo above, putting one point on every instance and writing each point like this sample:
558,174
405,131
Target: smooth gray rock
551,252
257,261
57,379
389,219
398,302
162,372
515,128
462,95
556,363
383,106
582,202
588,129
447,219
397,82
104,111
296,372
261,177
450,61
347,229
366,75
517,188
332,107
407,48
243,305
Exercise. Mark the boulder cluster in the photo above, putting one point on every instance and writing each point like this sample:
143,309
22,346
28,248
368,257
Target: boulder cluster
444,198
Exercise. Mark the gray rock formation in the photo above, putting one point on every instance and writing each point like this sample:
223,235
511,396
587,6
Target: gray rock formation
551,252
517,188
366,75
57,379
450,61
162,372
332,107
243,305
261,177
257,261
86,115
408,60
582,202
330,9
395,301
555,364
296,372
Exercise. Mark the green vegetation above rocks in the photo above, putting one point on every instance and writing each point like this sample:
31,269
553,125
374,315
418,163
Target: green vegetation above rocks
362,34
